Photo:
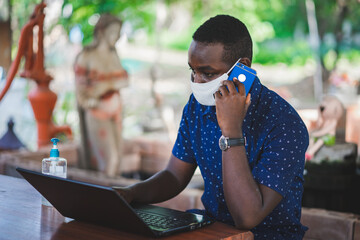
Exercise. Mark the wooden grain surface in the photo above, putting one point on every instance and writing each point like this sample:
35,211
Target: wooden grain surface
22,216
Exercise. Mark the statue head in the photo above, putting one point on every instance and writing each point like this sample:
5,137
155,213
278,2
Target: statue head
108,29
331,108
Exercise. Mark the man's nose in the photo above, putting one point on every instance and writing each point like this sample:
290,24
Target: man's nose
198,79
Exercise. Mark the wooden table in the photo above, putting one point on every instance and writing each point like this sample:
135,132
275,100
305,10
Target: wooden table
22,216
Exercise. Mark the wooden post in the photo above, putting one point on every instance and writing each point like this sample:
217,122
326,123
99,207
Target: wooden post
5,33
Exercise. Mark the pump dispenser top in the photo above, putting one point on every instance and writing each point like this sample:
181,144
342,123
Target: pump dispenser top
54,165
54,152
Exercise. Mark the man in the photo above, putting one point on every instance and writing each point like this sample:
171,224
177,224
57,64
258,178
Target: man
254,184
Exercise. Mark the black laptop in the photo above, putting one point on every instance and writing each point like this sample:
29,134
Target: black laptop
104,206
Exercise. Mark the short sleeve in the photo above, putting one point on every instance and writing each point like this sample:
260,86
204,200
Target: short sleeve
283,157
183,148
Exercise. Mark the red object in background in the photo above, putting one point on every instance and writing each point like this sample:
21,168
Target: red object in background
42,99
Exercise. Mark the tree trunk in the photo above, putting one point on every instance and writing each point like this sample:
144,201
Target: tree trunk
315,45
343,11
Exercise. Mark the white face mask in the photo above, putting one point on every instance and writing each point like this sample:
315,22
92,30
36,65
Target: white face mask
204,92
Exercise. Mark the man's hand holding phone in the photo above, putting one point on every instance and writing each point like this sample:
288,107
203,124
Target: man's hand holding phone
231,107
233,99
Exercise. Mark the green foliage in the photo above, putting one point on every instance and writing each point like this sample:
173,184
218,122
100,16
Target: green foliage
279,23
139,13
283,51
20,14
21,11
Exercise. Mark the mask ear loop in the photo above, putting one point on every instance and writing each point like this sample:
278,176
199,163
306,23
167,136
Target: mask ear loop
233,66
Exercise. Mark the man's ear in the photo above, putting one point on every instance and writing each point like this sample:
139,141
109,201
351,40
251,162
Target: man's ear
246,61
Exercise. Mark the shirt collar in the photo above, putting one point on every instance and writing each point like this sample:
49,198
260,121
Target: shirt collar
255,94
208,110
255,98
202,109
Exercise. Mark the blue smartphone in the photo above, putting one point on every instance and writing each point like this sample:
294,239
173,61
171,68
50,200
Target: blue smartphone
245,75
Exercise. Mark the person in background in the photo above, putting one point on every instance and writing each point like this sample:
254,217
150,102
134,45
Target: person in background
255,180
99,77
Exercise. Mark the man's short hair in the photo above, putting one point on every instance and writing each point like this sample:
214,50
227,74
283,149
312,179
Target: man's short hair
229,31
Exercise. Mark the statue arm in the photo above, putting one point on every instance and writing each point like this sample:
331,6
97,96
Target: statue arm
84,86
328,127
85,101
92,85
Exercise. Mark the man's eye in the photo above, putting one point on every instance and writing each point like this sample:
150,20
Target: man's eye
209,75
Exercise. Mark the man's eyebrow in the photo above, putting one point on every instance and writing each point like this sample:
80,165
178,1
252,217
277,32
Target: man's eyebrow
203,68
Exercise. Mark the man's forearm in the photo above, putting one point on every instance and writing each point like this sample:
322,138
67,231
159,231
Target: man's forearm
242,194
160,187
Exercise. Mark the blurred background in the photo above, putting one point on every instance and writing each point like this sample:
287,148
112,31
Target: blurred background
302,49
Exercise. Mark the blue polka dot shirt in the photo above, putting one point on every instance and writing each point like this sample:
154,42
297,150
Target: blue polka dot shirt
276,141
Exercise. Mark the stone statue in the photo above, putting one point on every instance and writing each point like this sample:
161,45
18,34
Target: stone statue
99,77
330,112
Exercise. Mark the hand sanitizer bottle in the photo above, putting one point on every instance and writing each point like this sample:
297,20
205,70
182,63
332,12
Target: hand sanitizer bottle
54,165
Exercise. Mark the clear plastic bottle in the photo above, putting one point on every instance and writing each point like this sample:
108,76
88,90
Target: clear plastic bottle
54,165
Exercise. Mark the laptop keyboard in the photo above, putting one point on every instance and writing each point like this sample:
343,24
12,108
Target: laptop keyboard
160,221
